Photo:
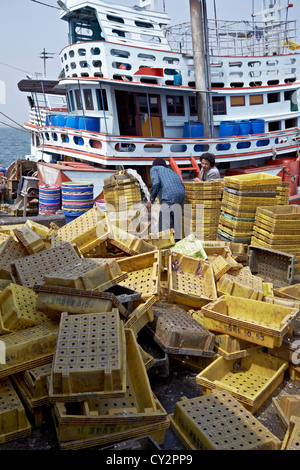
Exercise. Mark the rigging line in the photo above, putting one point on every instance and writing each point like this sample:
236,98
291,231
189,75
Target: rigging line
13,127
11,66
46,4
11,120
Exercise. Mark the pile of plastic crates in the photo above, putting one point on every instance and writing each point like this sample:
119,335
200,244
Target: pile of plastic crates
242,195
270,230
202,208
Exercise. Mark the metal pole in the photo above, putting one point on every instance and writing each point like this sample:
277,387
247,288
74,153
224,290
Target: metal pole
198,39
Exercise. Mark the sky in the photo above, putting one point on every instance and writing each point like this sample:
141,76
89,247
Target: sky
27,28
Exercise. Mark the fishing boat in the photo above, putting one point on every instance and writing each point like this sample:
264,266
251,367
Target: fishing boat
132,89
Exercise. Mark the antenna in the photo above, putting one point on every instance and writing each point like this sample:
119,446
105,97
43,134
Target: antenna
46,55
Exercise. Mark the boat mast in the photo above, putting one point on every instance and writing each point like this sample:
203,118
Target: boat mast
200,53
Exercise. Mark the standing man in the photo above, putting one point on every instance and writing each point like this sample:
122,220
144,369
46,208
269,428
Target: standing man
209,171
170,190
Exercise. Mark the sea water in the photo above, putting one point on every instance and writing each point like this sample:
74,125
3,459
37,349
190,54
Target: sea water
14,144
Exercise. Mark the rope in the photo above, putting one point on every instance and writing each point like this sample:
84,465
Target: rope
12,120
13,127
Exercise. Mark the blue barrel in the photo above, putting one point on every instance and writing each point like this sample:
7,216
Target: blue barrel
228,129
89,123
258,127
244,129
49,199
47,121
77,198
53,120
194,130
61,120
72,122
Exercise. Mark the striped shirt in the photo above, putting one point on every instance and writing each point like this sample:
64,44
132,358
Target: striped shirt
166,185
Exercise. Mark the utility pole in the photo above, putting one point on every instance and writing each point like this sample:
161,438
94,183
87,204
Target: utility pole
200,53
46,55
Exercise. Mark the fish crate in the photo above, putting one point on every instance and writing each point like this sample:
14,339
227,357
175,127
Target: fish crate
129,243
287,406
81,230
280,235
289,292
31,269
191,281
54,300
193,363
236,223
212,252
31,240
29,348
238,212
222,235
248,202
272,266
280,213
179,333
253,180
294,372
97,417
291,439
14,422
256,321
275,224
127,297
250,380
139,443
218,421
233,233
161,240
144,273
89,358
141,315
220,266
229,285
10,251
18,309
87,274
212,185
31,386
234,348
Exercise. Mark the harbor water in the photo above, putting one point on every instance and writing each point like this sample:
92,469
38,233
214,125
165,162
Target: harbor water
14,144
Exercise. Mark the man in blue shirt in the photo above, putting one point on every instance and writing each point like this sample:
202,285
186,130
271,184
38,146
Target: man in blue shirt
167,186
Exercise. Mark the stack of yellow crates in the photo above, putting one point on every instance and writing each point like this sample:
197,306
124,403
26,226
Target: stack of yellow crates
242,195
283,193
278,228
202,208
121,192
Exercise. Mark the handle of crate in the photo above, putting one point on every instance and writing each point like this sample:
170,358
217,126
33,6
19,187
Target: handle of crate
289,319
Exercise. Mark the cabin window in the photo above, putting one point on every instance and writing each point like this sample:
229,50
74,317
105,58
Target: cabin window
219,105
289,123
237,101
143,24
78,99
256,99
193,105
120,53
175,105
81,52
95,51
274,126
273,97
88,99
171,60
121,34
101,100
148,104
148,57
116,19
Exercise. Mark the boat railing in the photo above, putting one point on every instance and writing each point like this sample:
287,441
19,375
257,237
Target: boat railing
137,148
238,38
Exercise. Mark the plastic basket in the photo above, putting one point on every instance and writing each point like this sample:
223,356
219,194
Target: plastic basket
250,380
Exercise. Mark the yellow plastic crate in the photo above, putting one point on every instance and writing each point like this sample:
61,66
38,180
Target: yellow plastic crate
235,233
89,358
246,286
191,281
252,179
234,348
287,406
129,243
236,224
293,235
31,240
252,320
197,424
141,315
161,240
18,309
10,251
14,422
250,380
292,437
283,213
144,273
87,274
29,348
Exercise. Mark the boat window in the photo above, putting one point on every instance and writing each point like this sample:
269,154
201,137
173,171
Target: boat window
71,53
120,53
273,97
121,65
272,63
95,144
121,33
81,52
83,64
172,71
147,57
175,105
146,103
171,60
73,65
95,51
256,99
193,105
88,99
219,105
116,19
78,99
97,63
274,126
101,100
237,101
235,64
143,24
289,123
